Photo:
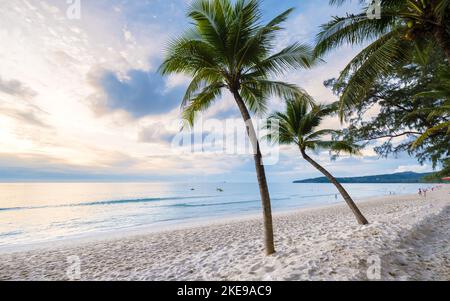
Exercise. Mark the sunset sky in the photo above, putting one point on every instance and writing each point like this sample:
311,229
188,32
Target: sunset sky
80,99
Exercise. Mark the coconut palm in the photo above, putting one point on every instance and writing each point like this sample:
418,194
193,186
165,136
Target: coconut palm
229,48
299,125
405,26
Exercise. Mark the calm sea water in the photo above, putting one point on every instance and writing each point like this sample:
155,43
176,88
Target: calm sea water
33,213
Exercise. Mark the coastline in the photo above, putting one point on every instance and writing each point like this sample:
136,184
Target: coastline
322,243
179,225
86,238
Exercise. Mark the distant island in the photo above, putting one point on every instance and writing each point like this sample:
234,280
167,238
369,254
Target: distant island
403,177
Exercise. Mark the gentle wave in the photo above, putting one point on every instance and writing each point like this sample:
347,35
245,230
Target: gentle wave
313,196
149,200
210,204
100,203
222,203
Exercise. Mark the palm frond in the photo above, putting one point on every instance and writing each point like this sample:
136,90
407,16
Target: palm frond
404,26
295,56
245,18
320,133
200,102
202,79
268,88
345,147
370,64
442,9
428,133
280,130
341,2
352,29
188,54
335,148
210,24
258,46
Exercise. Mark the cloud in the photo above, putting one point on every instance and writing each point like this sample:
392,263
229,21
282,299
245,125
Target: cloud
33,167
227,113
177,80
155,133
98,106
140,93
223,108
26,116
16,88
414,168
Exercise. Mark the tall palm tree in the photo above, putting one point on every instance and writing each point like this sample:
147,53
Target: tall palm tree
229,48
299,126
405,26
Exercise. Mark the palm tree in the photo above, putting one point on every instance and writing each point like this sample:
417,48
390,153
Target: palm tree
299,125
228,48
405,26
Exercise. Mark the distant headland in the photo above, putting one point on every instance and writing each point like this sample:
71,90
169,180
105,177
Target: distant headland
403,177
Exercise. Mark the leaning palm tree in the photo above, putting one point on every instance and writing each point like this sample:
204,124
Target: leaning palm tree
228,48
299,126
404,27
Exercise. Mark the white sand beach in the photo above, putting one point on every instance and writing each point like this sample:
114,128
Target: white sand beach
408,239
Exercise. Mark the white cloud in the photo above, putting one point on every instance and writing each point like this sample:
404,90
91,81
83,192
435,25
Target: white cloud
47,90
414,168
46,117
177,80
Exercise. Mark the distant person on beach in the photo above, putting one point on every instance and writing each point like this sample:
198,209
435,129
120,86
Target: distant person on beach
420,192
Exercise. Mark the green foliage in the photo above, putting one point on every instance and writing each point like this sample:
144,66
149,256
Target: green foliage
228,47
404,177
444,172
405,26
408,110
299,125
439,89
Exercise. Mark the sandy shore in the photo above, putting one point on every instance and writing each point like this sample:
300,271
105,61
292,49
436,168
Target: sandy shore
408,239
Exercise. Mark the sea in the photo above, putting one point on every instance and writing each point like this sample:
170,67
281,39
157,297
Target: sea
32,213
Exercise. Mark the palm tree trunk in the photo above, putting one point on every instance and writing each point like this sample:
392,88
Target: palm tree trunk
359,216
261,174
443,39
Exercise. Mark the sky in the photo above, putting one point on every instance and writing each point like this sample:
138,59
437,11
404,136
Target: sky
81,98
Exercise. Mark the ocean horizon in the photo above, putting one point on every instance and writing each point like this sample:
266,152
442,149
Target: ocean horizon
33,213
